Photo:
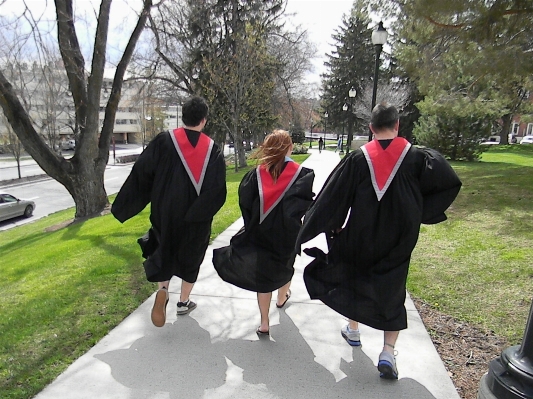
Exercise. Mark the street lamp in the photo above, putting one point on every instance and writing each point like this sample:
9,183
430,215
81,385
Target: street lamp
344,108
311,133
509,375
148,119
379,38
325,123
351,93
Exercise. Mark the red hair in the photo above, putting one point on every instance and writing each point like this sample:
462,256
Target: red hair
273,151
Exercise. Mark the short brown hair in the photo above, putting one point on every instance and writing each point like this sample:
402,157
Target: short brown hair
384,116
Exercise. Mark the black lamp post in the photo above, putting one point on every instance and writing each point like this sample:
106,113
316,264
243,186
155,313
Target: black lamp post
325,123
344,108
147,119
351,93
379,38
311,133
510,376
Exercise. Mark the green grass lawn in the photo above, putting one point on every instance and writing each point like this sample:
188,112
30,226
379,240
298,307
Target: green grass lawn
478,265
64,289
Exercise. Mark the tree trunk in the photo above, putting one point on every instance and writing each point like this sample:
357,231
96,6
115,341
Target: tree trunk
89,194
506,128
83,174
242,158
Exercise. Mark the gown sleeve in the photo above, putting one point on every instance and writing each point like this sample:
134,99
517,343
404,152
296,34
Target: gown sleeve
329,210
213,193
136,191
248,193
439,185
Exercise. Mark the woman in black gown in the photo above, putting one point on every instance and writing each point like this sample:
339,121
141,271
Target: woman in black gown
273,199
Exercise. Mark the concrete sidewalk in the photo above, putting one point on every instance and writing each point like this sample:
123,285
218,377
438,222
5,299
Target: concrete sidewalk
214,351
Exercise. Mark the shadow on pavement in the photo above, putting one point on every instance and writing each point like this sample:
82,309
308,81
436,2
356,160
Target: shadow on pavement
182,360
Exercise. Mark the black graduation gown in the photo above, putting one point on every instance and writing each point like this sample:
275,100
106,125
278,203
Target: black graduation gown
364,274
260,256
181,219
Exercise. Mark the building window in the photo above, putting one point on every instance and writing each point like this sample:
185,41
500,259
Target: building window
515,127
529,130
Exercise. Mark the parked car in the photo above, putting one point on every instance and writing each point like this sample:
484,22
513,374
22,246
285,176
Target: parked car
68,145
527,140
11,207
491,140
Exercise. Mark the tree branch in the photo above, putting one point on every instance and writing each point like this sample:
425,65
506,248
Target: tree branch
116,90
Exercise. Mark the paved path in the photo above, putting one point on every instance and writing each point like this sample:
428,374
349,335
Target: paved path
214,352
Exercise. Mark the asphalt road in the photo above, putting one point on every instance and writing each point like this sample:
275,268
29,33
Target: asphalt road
50,196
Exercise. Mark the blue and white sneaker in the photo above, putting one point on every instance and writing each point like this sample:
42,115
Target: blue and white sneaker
387,366
353,337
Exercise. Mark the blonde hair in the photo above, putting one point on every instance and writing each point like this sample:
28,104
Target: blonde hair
273,151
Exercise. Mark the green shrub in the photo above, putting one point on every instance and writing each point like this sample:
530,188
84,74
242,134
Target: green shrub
299,149
455,137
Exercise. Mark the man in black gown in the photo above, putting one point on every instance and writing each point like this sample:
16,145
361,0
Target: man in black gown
370,209
182,174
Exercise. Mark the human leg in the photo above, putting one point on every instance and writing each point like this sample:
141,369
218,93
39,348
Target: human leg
284,293
389,340
263,300
186,289
159,310
351,333
387,361
185,305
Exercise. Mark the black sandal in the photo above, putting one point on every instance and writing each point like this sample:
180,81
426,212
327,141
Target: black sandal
259,332
287,296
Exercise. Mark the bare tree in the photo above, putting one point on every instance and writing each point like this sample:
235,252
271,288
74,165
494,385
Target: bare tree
196,43
83,174
293,53
13,145
393,93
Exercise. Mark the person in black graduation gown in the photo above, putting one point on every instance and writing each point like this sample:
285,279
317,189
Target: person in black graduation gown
370,209
273,199
182,174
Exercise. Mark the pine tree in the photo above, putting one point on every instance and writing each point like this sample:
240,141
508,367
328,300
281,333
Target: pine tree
350,65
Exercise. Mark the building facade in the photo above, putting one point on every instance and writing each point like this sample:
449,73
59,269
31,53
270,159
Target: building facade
44,93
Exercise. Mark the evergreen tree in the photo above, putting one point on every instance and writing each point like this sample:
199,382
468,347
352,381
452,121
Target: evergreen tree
476,54
350,65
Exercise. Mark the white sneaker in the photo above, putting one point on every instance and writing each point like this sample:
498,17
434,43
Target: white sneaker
185,307
353,337
387,366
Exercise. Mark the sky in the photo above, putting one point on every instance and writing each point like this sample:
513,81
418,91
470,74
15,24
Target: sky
319,17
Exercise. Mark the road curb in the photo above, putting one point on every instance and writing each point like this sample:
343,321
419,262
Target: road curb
23,180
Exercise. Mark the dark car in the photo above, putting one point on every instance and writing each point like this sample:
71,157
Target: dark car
12,207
